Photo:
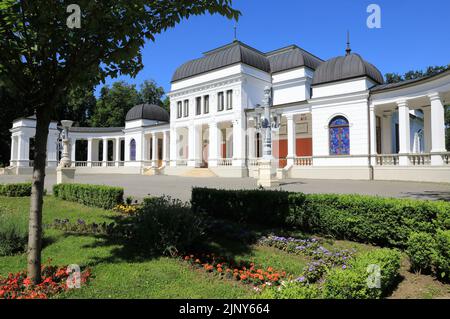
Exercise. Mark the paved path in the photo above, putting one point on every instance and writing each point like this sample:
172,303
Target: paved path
140,186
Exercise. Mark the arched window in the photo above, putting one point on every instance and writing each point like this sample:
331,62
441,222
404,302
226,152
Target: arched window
339,136
132,150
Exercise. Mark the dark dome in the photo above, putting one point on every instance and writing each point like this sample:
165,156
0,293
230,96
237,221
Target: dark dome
290,58
236,52
147,112
346,67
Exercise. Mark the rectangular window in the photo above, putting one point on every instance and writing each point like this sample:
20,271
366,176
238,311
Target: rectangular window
198,106
206,104
220,101
186,108
229,99
179,110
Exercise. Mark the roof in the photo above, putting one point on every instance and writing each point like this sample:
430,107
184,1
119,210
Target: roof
80,129
392,86
346,67
147,112
238,52
292,57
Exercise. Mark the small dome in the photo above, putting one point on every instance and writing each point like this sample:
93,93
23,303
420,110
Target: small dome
147,112
346,67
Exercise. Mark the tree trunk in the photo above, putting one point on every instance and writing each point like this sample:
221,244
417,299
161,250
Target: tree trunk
37,194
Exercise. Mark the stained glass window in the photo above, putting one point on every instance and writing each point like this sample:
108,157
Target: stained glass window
132,150
339,136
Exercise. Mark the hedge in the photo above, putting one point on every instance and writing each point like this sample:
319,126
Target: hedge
368,219
15,190
90,195
359,279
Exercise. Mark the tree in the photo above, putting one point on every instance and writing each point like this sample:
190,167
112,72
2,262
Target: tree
113,104
151,93
415,74
43,55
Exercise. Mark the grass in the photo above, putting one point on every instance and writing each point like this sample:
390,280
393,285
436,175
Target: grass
119,276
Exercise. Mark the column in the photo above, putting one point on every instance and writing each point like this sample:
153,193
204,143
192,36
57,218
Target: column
373,134
193,145
154,150
251,131
105,152
117,153
173,147
165,148
238,143
13,151
437,129
427,129
291,140
23,150
213,152
73,145
404,132
386,132
89,152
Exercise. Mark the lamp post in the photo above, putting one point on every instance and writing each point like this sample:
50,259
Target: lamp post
64,172
267,121
65,158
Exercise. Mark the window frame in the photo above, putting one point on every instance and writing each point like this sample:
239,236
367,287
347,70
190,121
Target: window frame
186,108
132,150
229,100
206,104
220,101
179,109
198,105
333,127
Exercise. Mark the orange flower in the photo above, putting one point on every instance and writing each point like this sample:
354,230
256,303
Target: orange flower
243,277
261,277
270,269
219,269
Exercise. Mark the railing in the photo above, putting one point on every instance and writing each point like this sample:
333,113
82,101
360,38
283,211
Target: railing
445,158
419,159
253,161
97,164
225,162
303,161
110,163
80,164
182,162
387,159
121,163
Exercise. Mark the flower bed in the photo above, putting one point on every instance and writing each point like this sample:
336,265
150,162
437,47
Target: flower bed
245,272
54,281
81,227
126,209
322,259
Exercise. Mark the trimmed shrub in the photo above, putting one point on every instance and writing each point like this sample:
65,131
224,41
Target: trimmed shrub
164,225
368,219
358,281
292,290
13,236
442,256
262,207
90,195
15,189
420,250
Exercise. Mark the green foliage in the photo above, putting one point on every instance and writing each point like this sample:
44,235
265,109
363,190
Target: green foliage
442,256
164,225
261,207
367,219
90,195
415,74
421,250
13,235
358,281
15,189
292,290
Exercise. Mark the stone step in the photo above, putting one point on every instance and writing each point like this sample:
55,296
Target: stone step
199,172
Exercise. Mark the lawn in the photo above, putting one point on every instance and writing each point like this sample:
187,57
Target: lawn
119,275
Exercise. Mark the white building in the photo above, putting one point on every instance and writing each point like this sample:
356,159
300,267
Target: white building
338,121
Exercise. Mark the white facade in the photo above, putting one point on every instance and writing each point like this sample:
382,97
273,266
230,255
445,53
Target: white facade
388,132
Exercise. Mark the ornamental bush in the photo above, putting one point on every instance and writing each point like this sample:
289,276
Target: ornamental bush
442,256
262,207
368,219
359,279
15,189
106,197
292,290
421,250
164,226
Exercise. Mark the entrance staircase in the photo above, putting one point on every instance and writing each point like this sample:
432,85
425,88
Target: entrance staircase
199,172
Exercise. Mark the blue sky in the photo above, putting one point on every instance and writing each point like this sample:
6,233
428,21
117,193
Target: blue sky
414,34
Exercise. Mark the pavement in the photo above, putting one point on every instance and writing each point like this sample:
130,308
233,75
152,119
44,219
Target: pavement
140,186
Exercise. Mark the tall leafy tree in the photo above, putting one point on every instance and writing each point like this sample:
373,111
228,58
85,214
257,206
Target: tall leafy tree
415,74
113,104
151,93
43,59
